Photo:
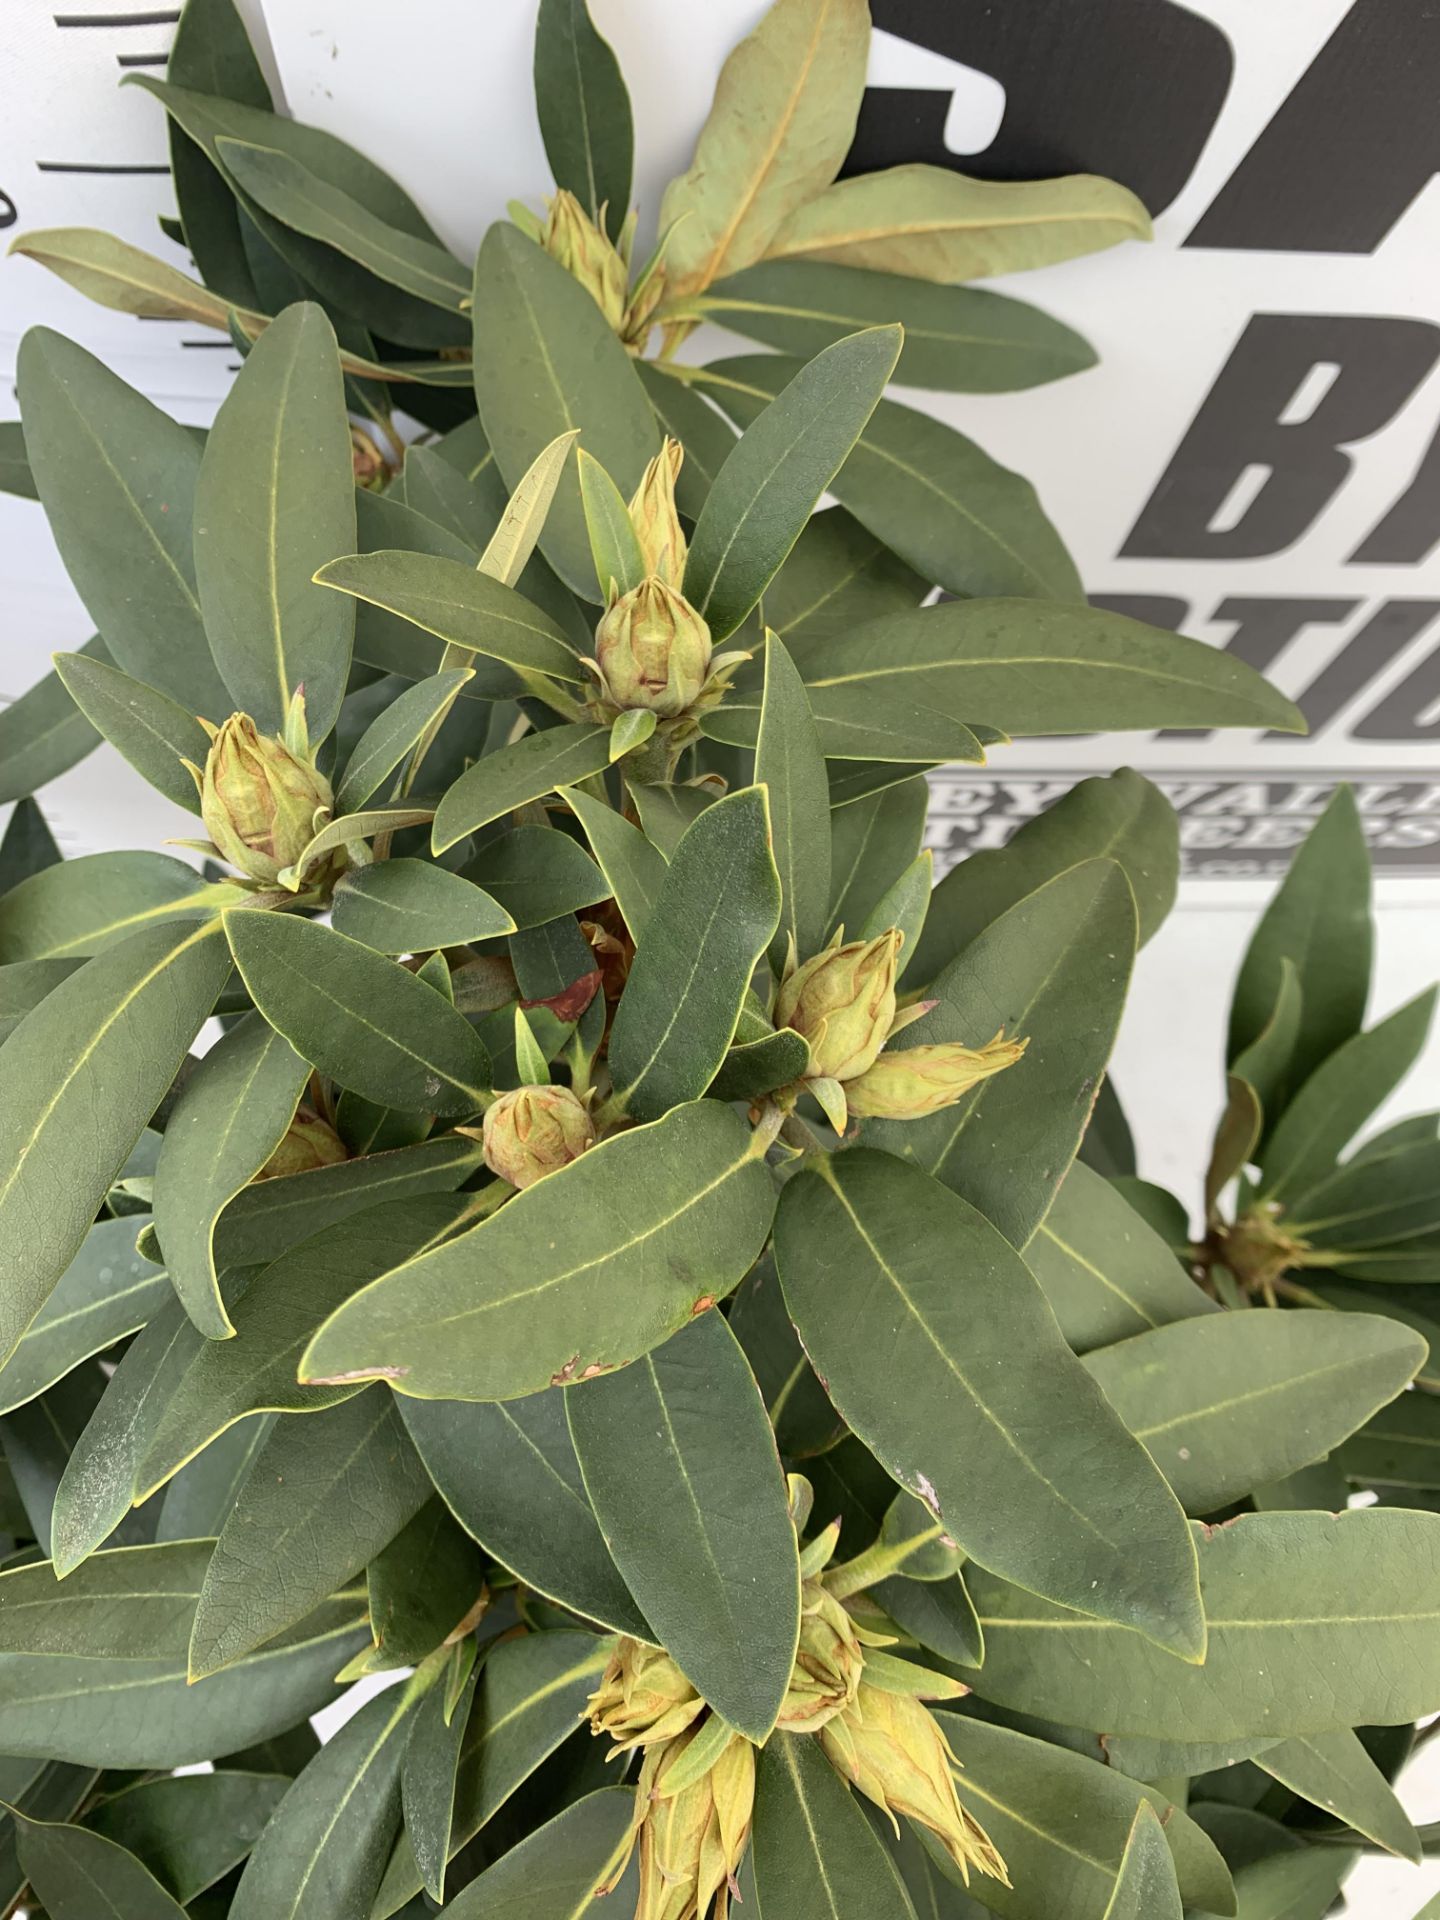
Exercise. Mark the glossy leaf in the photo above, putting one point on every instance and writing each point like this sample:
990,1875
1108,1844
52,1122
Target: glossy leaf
428,1776
790,766
422,1585
871,842
190,1830
584,109
1053,969
816,1856
549,363
1146,1888
410,906
197,1502
525,770
614,543
84,1072
707,436
789,453
933,223
130,1603
802,1417
1232,1400
75,908
231,1116
106,1292
553,1873
508,1473
66,1865
560,1282
118,480
1333,1771
634,869
152,731
715,916
956,340
537,874
211,53
680,1465
391,735
1289,1652
975,1392
838,575
358,1016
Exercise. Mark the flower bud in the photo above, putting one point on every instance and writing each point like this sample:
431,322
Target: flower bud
828,1663
912,1082
372,470
692,1842
570,236
656,522
533,1131
643,1697
843,1002
890,1746
309,1142
259,801
653,649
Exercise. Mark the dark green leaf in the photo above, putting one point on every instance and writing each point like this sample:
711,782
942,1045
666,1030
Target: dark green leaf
938,1613
634,868
791,767
79,907
410,906
130,1603
680,1464
391,735
43,733
150,729
584,109
614,543
1146,1888
1292,1886
754,1068
1333,1771
838,575
666,811
802,1417
422,1585
1398,1447
871,841
211,53
537,874
525,770
553,1874
106,1292
1393,1199
560,1282
197,1502
68,1866
963,1394
707,436
816,1855
192,1829
15,474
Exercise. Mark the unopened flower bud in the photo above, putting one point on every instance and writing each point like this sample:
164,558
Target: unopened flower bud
309,1142
570,236
889,1746
828,1663
653,649
843,1002
259,801
692,1842
642,1698
656,522
532,1131
912,1082
372,470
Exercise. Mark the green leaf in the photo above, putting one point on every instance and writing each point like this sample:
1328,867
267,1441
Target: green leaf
680,1465
634,869
148,1716
1062,1821
1146,1888
15,474
1256,1083
531,1695
211,1385
391,735
537,874
553,1873
1053,969
614,544
43,734
107,1292
871,841
1230,1401
1105,1271
816,1856
1340,1096
508,1473
1333,1771
838,575
1289,1652
427,1781
560,1281
584,110
80,907
1120,817
549,363
716,914
27,847
410,906
666,811
937,1613
67,1866
933,223
707,436
196,1503
525,770
757,1067
1373,1205
956,340
232,1114
1319,921
935,498
791,767
325,1847
1398,1447
790,452
781,122
358,1016
130,1603
274,501
211,53
802,1417
324,1496
905,904
464,608
84,1072
1292,1886
192,1829
422,1585
152,731
972,1400
864,722
118,478
126,279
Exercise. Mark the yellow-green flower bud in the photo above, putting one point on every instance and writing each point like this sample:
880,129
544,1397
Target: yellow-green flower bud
372,470
656,522
570,236
532,1131
653,649
828,1663
912,1082
259,801
642,1698
843,1002
890,1746
309,1142
692,1842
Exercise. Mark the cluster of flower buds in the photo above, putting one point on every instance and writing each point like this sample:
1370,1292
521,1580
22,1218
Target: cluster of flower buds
309,1142
602,267
531,1131
843,1001
263,799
